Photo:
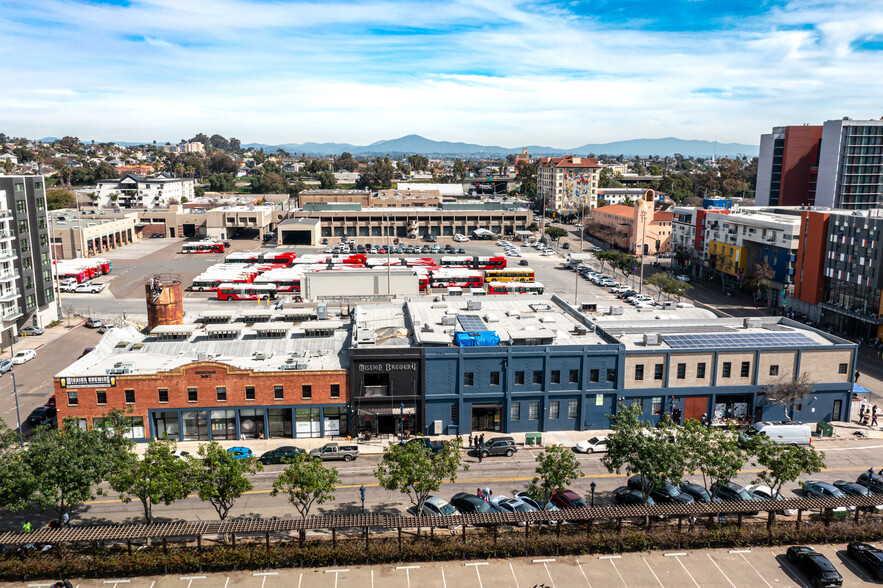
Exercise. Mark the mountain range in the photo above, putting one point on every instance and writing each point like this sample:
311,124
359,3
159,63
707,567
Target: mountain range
410,144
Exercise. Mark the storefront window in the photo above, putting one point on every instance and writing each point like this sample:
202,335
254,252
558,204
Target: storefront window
223,424
251,424
280,422
166,424
194,425
335,421
307,422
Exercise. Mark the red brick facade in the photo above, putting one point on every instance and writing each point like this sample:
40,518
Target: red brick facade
206,377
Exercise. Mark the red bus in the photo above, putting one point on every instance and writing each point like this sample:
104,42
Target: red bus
426,262
246,292
358,259
203,247
285,279
285,258
514,288
473,262
462,278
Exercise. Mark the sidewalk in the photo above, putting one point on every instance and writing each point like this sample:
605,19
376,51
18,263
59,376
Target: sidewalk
37,341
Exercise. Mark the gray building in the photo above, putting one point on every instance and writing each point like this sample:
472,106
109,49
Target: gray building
850,170
27,291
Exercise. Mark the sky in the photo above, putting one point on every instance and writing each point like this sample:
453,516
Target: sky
494,72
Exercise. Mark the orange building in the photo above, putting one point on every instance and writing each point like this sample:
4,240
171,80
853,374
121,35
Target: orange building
639,229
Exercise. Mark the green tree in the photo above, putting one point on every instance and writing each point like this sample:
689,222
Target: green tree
677,288
533,227
557,467
783,463
221,480
307,482
459,170
413,469
418,162
105,171
327,180
555,233
160,477
219,163
377,175
269,184
58,198
526,177
715,453
659,281
222,183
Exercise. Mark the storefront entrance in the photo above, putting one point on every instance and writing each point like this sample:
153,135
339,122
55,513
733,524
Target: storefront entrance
487,418
732,410
695,407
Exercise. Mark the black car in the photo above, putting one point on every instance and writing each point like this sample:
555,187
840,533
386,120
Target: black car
733,492
668,493
868,556
523,262
631,497
699,493
429,238
469,503
871,481
626,294
324,241
279,454
815,566
856,489
42,415
566,246
498,446
461,250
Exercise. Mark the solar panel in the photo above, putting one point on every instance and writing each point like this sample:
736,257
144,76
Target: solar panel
471,323
739,340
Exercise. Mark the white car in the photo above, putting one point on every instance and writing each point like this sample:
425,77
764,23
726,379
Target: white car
23,355
619,289
329,250
547,253
513,253
766,493
593,445
462,239
513,505
683,278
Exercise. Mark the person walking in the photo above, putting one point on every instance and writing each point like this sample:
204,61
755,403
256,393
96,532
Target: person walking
470,440
478,451
861,413
66,520
855,379
874,416
26,527
481,439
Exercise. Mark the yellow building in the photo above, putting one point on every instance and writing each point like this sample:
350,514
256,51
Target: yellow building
728,259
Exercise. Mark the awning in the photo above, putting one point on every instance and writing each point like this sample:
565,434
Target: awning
856,389
386,411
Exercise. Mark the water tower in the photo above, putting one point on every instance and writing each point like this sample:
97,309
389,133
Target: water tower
165,300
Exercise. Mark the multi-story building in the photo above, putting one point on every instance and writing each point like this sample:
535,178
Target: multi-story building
565,182
835,165
79,235
639,228
191,147
144,192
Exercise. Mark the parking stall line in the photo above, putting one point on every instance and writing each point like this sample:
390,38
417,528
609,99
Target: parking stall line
477,573
589,584
677,557
720,570
616,569
407,572
445,582
793,573
742,555
514,577
545,563
651,570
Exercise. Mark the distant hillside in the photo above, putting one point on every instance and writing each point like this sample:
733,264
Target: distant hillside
416,144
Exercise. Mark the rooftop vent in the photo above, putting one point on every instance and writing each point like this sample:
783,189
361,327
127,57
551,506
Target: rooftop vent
752,323
491,318
652,339
580,330
616,310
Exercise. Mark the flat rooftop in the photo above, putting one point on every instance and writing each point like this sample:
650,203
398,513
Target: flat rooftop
716,334
517,319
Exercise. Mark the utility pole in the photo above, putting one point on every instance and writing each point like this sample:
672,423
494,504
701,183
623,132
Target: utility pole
643,236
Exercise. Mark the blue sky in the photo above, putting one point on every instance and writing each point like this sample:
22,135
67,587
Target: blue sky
498,72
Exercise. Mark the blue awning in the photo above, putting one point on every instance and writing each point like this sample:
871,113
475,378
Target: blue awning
856,389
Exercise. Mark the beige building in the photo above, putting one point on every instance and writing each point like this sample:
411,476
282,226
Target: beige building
79,235
315,199
564,182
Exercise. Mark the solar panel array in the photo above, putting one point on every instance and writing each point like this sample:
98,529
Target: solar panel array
739,340
471,323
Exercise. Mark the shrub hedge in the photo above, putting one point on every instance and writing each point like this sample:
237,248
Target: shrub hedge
115,561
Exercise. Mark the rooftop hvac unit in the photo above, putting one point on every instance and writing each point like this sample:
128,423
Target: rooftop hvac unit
365,336
513,313
589,307
547,319
322,310
427,328
616,310
753,323
473,305
448,320
580,330
258,355
652,339
670,305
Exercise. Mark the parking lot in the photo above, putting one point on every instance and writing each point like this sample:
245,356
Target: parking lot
736,568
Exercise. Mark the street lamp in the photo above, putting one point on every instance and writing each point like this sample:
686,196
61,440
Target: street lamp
592,488
402,431
21,438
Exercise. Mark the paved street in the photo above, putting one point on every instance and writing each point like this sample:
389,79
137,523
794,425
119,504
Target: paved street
736,568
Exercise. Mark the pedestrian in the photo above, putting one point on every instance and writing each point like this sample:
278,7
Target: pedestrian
488,494
481,439
459,440
855,379
479,493
861,413
66,520
478,451
470,440
26,527
874,420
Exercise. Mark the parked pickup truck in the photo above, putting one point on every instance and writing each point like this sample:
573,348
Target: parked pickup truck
331,451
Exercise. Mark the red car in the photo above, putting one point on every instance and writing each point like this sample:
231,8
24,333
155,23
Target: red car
51,401
568,499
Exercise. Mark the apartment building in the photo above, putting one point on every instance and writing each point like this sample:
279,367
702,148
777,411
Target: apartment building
788,166
27,290
639,228
192,147
144,192
564,182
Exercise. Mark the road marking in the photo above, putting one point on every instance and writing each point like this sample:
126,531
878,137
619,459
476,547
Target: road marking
854,448
742,555
675,554
739,551
685,568
651,570
372,579
225,583
720,570
513,575
444,582
794,573
543,561
589,584
265,574
154,582
477,573
407,573
856,570
609,557
115,582
548,573
616,569
338,571
477,563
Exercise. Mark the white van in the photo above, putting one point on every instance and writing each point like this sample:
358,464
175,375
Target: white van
781,432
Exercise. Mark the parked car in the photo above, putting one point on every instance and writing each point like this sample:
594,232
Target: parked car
436,507
280,454
547,253
766,493
593,445
239,452
23,355
698,492
181,454
683,278
523,262
568,499
871,481
429,238
31,331
51,401
461,250
157,236
5,366
498,446
668,493
513,505
780,432
67,285
434,446
333,451
325,241
566,245
42,415
868,556
815,566
816,489
106,327
528,499
855,489
630,497
93,323
733,492
89,288
469,503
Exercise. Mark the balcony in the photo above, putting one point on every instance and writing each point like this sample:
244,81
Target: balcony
9,295
376,390
6,276
10,314
7,255
855,313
